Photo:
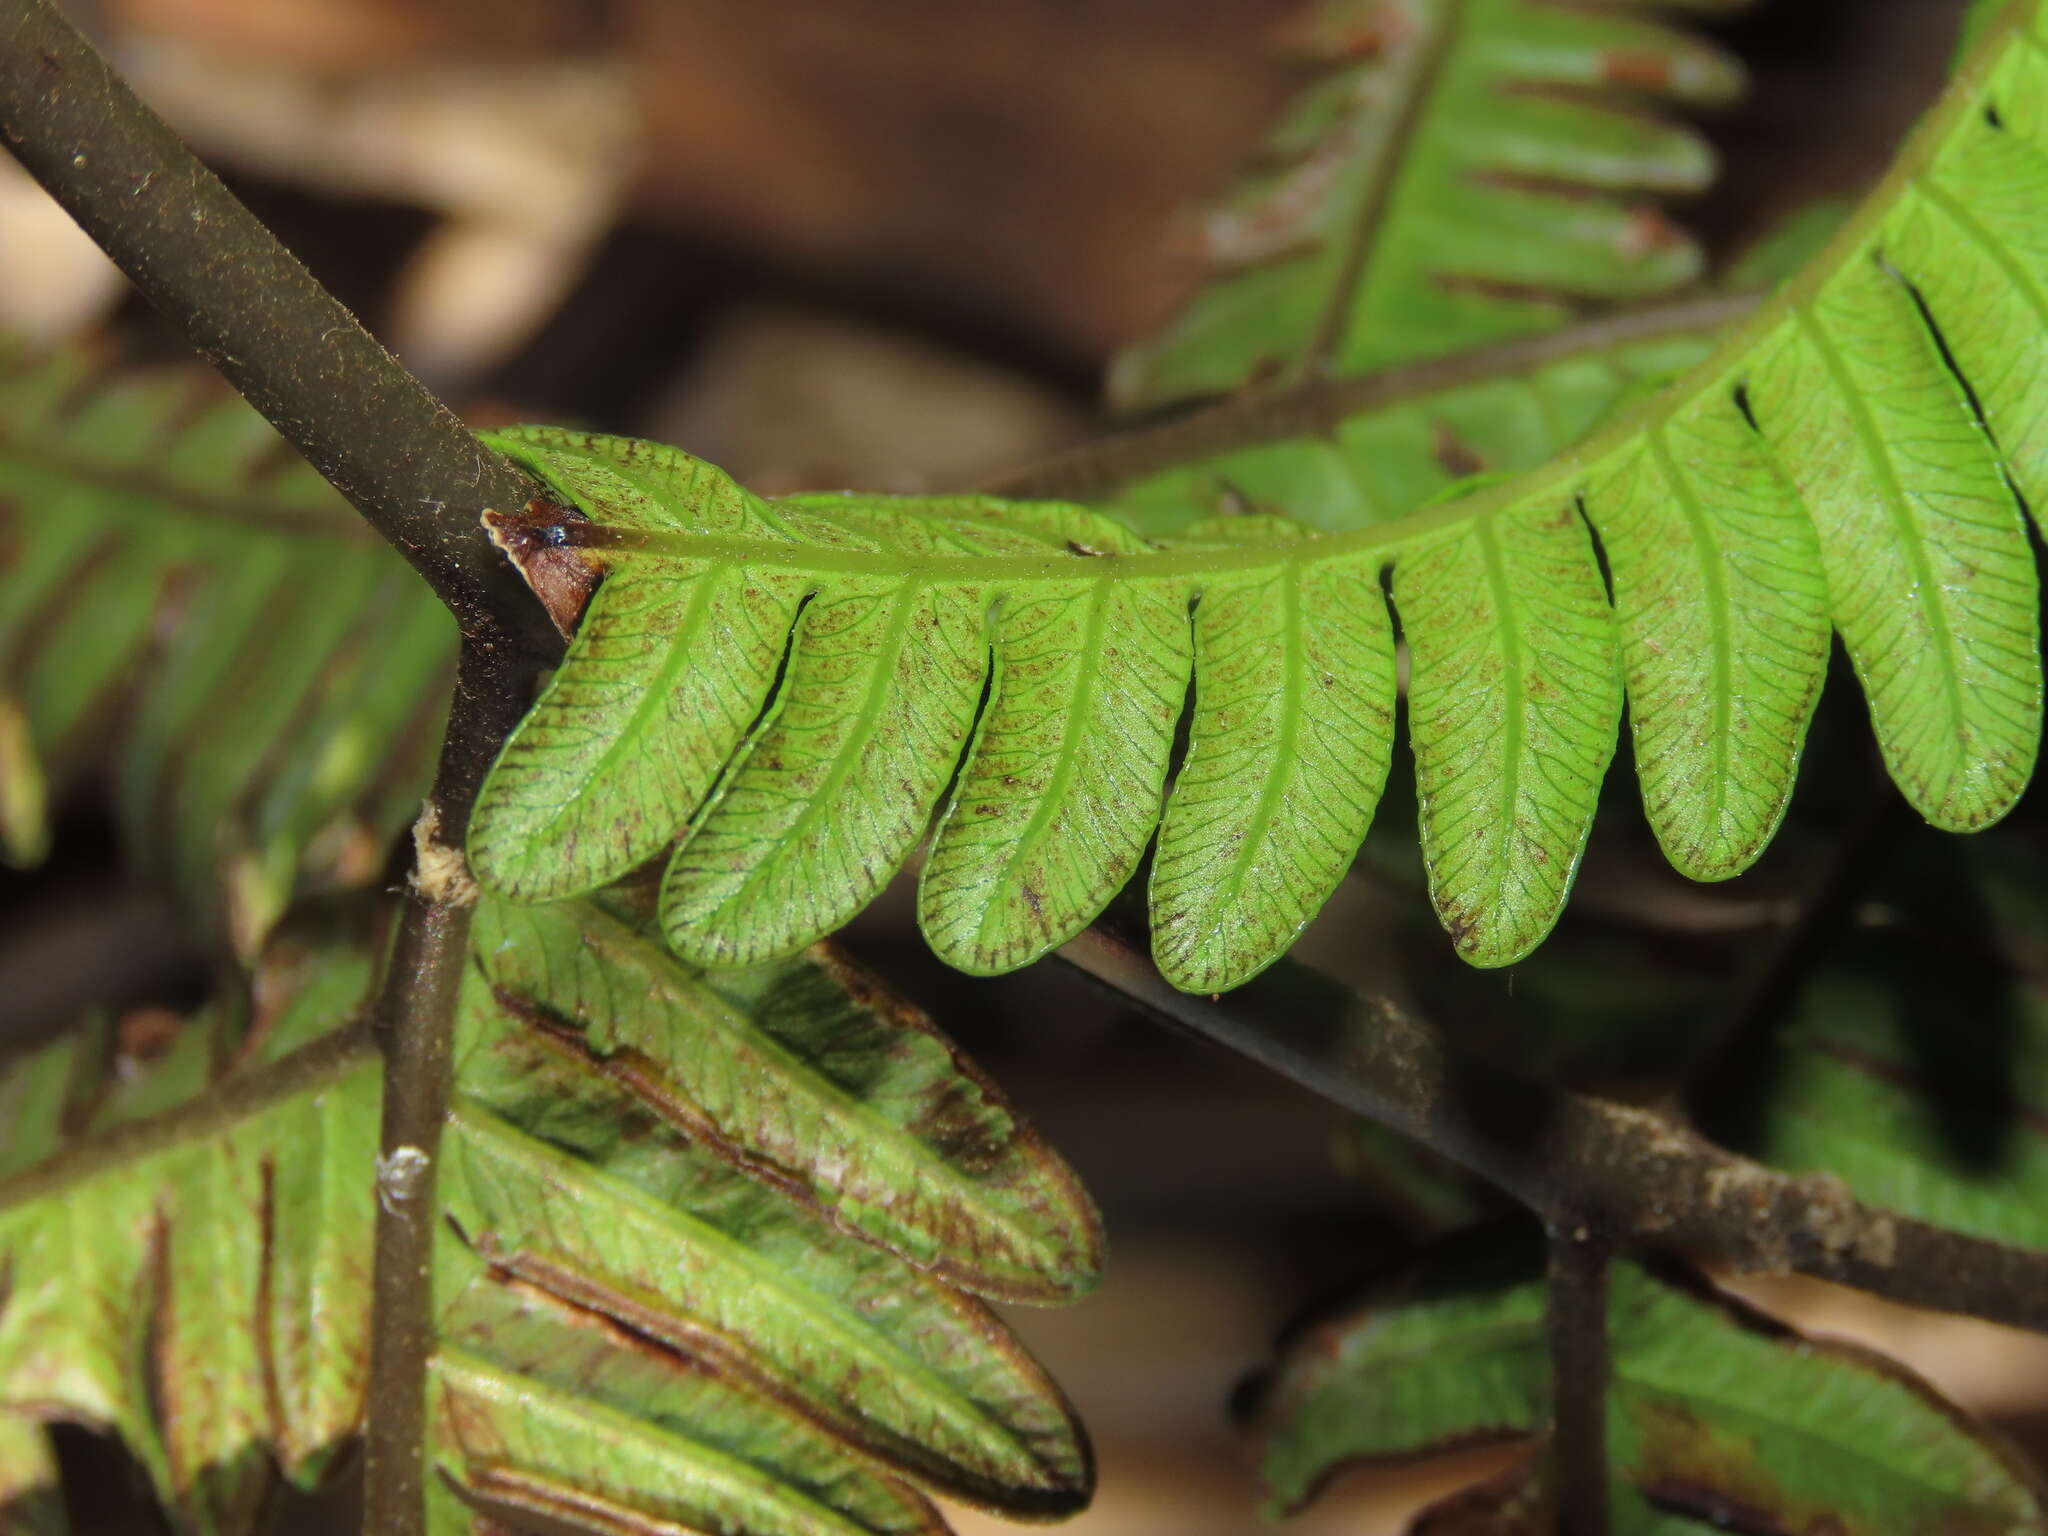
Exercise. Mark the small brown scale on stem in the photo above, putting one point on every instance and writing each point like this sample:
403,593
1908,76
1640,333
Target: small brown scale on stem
536,541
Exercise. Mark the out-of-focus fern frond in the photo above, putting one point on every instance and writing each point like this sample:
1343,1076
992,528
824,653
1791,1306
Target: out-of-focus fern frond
187,607
1712,1408
1458,172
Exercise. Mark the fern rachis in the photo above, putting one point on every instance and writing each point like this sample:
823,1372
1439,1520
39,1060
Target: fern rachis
1826,465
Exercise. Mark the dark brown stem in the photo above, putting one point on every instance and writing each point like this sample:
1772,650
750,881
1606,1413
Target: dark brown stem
1570,1157
422,480
416,1027
398,454
1576,1322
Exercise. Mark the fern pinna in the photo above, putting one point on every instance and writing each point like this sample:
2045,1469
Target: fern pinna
791,685
1723,1418
1459,172
708,1248
177,580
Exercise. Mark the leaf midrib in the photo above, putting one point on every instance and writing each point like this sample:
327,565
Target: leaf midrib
869,1344
652,700
1048,803
227,1104
1898,512
843,1105
823,801
1706,548
731,1475
2024,282
1514,703
1285,765
1363,245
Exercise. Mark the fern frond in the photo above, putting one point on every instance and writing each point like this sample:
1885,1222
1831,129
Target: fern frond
1458,172
1857,454
1712,1406
196,1292
702,1248
175,577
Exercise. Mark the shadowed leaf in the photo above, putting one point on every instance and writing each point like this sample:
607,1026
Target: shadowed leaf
1715,1412
640,1329
277,675
811,1076
1459,171
1913,1064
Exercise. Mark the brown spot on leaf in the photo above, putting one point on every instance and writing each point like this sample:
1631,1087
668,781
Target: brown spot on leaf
1648,232
1459,926
1639,68
1457,457
143,1035
1326,34
1286,219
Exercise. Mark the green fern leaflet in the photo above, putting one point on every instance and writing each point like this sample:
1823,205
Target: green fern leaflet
787,687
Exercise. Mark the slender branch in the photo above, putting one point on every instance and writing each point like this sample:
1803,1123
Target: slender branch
1574,1158
416,1025
1576,1321
398,454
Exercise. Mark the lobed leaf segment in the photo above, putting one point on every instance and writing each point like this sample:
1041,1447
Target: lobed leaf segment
709,1250
784,690
1457,173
